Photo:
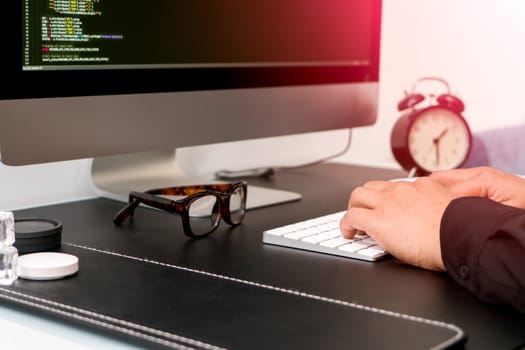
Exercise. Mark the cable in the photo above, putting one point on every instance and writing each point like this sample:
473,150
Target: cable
267,172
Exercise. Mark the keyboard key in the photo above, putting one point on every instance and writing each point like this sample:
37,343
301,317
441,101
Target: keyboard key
352,247
316,238
301,233
336,242
373,252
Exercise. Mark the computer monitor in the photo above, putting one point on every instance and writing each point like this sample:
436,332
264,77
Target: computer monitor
127,82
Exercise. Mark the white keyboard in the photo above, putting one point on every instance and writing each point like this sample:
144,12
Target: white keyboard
322,235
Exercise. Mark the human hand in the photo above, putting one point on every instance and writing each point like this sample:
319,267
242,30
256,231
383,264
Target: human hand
403,217
485,182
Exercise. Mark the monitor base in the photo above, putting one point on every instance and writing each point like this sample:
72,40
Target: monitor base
114,177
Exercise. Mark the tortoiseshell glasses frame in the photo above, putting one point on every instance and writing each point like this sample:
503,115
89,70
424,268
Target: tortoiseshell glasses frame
201,210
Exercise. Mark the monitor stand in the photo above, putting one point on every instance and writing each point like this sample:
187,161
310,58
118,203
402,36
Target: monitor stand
115,176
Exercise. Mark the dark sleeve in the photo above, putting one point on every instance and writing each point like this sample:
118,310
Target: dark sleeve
483,249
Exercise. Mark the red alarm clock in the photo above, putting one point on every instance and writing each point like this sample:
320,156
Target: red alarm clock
435,137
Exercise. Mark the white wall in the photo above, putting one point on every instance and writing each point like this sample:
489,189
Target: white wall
476,45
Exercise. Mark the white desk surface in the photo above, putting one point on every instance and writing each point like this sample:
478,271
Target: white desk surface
22,331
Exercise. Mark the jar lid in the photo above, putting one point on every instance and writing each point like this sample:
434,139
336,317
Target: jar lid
37,234
47,266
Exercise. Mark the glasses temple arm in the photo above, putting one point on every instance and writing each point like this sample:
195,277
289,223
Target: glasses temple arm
127,211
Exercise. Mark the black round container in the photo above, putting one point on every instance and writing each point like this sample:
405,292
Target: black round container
37,235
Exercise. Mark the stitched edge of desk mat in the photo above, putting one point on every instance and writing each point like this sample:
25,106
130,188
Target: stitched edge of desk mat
172,340
110,323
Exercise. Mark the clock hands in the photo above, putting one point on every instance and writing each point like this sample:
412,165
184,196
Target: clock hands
436,140
437,152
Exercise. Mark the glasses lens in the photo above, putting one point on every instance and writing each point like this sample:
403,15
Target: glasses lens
204,215
237,205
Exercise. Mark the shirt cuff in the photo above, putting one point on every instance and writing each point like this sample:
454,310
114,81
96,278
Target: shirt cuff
466,225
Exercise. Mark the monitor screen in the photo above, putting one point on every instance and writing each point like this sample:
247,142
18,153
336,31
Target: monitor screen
93,78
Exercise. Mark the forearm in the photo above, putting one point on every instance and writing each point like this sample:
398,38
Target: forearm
483,249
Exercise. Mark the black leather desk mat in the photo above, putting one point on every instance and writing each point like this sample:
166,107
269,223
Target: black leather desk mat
239,253
143,300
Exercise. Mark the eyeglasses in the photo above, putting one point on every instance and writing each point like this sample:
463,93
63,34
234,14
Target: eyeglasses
201,211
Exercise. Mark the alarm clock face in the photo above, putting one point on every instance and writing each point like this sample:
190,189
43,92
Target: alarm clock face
439,139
